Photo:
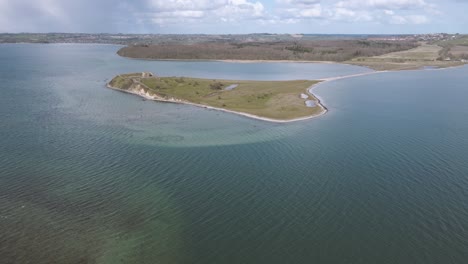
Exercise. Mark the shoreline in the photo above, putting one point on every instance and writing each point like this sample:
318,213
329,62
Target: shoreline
319,100
349,62
323,108
239,61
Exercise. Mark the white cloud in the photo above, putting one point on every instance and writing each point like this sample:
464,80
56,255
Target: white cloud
177,11
311,12
411,19
418,19
314,11
398,20
383,4
182,14
298,3
384,11
178,5
243,9
291,11
227,16
345,14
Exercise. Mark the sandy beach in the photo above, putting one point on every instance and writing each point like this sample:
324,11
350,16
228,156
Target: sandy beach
153,98
239,61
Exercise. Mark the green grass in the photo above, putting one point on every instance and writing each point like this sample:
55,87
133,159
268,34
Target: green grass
424,52
271,99
424,55
461,40
121,82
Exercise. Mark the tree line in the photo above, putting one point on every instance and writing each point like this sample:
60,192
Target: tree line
319,50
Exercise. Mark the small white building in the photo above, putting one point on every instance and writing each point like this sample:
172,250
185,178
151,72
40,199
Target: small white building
146,75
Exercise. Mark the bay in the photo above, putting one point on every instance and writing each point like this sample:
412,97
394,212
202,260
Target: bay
91,175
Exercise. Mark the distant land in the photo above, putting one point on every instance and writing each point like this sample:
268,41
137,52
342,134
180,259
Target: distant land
378,52
403,52
128,39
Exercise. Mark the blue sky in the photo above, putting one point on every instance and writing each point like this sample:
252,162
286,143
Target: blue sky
235,16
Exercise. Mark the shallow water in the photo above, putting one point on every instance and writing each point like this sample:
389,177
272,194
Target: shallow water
231,87
91,175
310,103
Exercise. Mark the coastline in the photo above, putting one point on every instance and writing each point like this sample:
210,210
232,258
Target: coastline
238,61
319,100
349,62
324,109
278,61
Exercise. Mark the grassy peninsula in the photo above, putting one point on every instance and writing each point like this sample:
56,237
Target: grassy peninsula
279,101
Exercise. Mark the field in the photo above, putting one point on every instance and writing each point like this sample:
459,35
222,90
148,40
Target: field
424,55
279,100
461,40
459,50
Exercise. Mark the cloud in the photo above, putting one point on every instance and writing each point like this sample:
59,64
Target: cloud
184,5
356,11
343,14
60,16
33,14
176,11
396,12
411,19
301,13
292,11
123,15
383,4
298,3
242,9
182,16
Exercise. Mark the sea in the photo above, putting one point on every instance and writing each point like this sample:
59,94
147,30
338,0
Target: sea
93,175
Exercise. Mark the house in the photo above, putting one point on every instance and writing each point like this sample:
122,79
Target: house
146,75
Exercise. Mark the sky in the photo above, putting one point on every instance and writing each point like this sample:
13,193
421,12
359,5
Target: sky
235,16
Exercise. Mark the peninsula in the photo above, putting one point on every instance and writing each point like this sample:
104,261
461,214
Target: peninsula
275,101
279,101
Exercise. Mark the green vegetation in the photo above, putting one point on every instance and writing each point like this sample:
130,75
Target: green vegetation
378,54
279,100
458,40
454,48
424,55
298,50
122,82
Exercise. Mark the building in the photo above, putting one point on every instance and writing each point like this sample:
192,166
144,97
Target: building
146,75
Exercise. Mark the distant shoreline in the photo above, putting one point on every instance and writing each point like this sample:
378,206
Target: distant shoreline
439,67
402,57
239,61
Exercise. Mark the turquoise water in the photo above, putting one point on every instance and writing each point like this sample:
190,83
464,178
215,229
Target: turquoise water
91,175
